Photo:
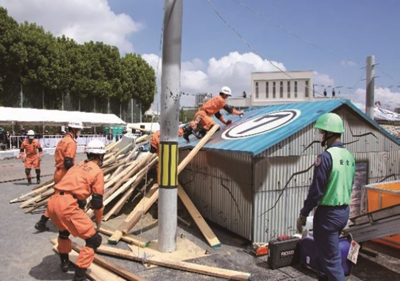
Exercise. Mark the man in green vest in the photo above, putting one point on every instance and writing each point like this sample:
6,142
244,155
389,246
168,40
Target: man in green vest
330,191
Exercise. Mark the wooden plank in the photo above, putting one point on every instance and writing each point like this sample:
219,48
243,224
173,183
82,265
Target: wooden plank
37,198
144,204
131,239
118,206
136,214
186,266
33,192
38,205
129,172
94,271
196,149
198,218
134,180
111,266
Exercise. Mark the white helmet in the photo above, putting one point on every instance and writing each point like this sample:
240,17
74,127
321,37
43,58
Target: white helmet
75,124
226,91
95,147
31,134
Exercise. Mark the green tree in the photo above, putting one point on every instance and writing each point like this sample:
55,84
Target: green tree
138,80
12,55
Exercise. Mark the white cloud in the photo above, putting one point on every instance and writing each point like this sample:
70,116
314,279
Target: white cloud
233,70
388,99
82,20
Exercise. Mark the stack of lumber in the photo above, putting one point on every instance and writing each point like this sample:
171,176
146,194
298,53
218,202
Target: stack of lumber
124,170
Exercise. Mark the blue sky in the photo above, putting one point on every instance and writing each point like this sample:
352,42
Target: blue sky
332,38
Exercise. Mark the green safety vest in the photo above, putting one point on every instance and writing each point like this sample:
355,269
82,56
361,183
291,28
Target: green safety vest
338,188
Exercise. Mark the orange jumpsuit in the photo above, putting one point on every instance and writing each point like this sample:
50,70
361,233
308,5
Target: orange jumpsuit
81,181
33,151
203,117
155,139
66,147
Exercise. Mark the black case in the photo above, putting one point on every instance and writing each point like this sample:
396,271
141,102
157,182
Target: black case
283,252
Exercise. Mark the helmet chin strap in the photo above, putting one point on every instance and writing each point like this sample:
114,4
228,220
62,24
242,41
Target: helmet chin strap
326,138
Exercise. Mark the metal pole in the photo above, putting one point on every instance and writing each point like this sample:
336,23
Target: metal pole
62,101
131,110
370,86
108,106
168,155
22,97
140,111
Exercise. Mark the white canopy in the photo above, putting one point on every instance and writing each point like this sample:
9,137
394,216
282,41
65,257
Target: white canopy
34,116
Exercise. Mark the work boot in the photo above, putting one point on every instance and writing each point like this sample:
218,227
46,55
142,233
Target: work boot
64,262
41,224
187,131
199,133
80,274
29,181
38,180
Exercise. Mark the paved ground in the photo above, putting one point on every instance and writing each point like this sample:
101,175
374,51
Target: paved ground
27,255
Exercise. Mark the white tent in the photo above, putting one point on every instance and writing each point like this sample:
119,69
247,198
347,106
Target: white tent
34,116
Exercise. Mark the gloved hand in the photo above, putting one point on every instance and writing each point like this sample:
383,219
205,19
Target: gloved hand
241,114
228,122
301,221
82,204
40,159
23,159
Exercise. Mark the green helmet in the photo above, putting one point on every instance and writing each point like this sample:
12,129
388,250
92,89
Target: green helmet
330,122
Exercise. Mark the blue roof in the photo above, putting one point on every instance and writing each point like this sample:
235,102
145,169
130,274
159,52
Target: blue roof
264,127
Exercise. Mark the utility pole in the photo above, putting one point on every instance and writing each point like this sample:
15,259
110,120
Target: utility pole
370,86
22,97
168,155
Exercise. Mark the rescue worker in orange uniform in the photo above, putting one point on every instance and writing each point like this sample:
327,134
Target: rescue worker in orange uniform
64,157
81,181
155,140
31,154
203,120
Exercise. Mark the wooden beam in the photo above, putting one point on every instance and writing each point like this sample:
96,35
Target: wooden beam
37,198
135,240
33,192
198,218
136,214
118,206
135,179
196,149
111,266
38,205
94,271
141,208
186,266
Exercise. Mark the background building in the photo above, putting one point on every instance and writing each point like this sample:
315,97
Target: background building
277,87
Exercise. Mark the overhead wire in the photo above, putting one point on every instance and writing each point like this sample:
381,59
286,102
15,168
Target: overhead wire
294,35
248,44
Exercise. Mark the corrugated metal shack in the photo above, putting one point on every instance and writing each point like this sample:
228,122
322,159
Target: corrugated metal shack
253,176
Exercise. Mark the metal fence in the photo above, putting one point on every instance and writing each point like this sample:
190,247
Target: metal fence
50,141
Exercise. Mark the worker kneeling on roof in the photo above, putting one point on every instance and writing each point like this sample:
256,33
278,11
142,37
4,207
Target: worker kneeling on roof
83,180
203,120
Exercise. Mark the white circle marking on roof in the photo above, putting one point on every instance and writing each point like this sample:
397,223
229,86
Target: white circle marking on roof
261,124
